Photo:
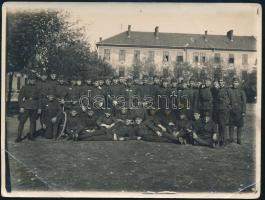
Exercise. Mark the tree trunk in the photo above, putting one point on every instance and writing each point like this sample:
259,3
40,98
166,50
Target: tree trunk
9,92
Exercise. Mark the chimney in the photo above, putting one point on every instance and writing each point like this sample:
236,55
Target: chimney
157,32
205,35
129,31
100,39
229,35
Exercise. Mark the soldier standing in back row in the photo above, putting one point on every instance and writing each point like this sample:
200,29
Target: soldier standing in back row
222,108
205,98
238,110
29,104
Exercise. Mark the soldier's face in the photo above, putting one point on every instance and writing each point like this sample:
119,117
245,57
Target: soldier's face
79,82
129,83
165,84
73,82
236,84
96,83
145,81
191,83
73,113
107,115
196,116
53,76
88,82
182,116
167,112
152,112
128,122
107,82
216,84
174,84
32,81
44,77
208,83
221,83
157,81
207,118
115,81
138,121
123,111
101,82
50,98
185,85
90,113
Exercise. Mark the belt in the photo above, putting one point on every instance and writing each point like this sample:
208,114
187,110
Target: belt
30,98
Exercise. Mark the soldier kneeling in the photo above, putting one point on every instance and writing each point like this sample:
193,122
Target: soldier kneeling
51,112
205,132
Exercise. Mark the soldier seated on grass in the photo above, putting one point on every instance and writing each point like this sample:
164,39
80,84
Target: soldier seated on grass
182,128
205,133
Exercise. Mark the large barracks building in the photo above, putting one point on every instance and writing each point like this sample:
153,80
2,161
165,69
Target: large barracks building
166,50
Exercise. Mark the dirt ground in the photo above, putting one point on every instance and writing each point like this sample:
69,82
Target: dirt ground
43,165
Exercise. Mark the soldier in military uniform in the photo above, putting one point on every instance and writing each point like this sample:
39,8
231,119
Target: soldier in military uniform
74,125
30,106
238,110
52,111
182,128
43,88
151,128
205,132
124,124
222,110
205,98
92,131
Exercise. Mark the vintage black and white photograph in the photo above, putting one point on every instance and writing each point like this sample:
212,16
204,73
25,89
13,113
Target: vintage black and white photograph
131,100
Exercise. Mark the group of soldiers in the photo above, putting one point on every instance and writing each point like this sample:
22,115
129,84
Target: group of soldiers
213,109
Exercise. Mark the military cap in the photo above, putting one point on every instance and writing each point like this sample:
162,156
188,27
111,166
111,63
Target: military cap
31,76
235,78
207,114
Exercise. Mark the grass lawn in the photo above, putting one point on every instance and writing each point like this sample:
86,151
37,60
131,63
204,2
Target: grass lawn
43,165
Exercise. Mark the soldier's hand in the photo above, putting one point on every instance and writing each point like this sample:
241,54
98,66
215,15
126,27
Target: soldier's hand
83,108
75,102
21,110
115,103
159,133
39,111
44,126
54,119
139,138
215,137
62,101
176,133
194,135
243,114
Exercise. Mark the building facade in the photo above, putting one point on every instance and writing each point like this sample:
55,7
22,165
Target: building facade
166,50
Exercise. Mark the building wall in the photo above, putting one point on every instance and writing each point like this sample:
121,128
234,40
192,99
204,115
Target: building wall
187,57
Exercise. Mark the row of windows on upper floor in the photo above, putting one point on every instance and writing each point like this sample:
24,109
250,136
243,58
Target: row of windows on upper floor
198,57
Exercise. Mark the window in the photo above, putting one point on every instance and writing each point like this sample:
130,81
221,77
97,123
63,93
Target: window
203,57
18,83
195,57
121,71
217,58
107,54
151,56
231,59
137,56
179,57
165,56
245,59
122,55
165,72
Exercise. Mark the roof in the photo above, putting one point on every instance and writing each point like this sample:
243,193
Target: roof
180,40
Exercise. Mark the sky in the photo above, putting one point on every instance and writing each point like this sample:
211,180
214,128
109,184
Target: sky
108,19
